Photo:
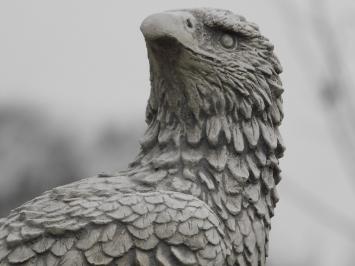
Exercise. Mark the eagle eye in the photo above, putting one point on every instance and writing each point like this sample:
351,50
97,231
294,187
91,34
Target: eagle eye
228,41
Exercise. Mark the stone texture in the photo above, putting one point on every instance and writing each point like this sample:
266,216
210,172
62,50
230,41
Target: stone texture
203,188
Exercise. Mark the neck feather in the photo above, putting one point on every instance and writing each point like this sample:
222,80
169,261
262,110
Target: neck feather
223,151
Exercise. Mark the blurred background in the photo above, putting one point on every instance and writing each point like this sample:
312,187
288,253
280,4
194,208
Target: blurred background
74,84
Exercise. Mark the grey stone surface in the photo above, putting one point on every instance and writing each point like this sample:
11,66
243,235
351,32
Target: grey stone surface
202,189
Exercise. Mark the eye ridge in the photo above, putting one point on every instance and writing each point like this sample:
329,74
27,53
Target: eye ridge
228,41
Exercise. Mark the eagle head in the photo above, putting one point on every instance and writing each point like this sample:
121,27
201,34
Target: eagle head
206,62
215,97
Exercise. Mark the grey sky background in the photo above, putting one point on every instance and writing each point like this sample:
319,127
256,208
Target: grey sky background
84,64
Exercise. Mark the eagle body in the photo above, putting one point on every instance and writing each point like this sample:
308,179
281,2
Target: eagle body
202,189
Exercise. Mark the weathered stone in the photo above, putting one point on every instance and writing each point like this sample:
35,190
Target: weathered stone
203,188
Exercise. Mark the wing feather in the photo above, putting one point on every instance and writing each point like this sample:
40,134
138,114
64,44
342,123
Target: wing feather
136,228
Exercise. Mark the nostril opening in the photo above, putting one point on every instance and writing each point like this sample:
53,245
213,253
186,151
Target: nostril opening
189,23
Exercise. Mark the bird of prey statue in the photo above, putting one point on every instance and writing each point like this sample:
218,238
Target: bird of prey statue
202,189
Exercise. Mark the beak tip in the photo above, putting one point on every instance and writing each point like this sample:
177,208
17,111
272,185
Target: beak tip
161,25
169,25
152,26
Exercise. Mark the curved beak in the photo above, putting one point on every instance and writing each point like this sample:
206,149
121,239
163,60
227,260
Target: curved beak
174,25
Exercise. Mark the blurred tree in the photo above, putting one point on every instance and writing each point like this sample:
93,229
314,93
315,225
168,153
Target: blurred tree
33,156
37,154
336,85
327,66
113,147
334,78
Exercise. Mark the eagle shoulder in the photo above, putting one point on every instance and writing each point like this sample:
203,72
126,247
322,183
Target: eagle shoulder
92,222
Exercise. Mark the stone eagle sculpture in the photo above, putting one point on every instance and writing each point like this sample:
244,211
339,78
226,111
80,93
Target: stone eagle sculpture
202,189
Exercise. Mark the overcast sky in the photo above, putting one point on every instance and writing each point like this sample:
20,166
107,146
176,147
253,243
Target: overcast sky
89,56
85,62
